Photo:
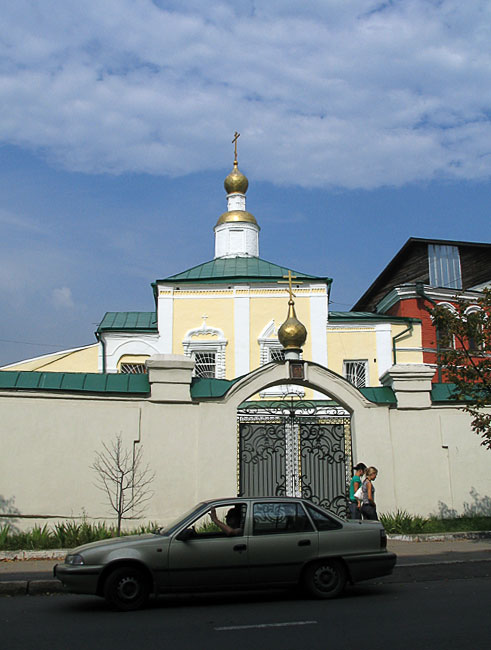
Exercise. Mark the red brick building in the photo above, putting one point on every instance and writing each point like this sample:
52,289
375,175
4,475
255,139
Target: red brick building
426,272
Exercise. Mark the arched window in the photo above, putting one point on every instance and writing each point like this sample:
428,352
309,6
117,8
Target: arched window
206,345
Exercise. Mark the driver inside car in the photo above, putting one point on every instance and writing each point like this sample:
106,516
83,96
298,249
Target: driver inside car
232,524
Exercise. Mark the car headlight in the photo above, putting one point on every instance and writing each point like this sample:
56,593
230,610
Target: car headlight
74,559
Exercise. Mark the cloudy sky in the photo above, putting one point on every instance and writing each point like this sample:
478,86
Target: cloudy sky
362,123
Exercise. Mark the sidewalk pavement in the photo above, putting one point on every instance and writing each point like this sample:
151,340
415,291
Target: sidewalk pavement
31,573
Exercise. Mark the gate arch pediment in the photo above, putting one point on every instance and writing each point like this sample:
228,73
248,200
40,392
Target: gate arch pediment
317,377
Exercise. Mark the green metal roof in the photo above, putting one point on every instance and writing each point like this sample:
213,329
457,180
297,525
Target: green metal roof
379,394
443,393
84,382
368,315
201,388
237,269
124,321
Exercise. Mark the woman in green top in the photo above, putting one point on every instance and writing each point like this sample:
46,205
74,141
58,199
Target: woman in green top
354,504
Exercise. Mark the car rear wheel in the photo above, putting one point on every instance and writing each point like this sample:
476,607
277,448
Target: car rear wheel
126,589
325,579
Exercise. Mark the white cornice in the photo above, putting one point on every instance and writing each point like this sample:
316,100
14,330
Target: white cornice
407,291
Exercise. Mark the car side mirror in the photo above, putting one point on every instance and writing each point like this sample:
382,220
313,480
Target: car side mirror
185,535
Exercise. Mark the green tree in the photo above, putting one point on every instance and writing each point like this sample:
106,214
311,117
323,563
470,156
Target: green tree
465,357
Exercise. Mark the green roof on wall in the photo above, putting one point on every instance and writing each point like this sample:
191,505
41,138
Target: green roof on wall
84,382
201,388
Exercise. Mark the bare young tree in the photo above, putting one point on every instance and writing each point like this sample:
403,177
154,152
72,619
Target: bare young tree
123,478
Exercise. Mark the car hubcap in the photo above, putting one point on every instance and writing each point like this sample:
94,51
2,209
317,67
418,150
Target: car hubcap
128,588
325,578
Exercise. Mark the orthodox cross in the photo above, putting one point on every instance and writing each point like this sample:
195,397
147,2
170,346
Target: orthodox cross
234,142
288,281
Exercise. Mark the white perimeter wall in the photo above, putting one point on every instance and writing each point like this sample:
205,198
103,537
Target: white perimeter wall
426,457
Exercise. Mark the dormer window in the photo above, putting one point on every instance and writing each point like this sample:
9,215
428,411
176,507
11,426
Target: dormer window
444,266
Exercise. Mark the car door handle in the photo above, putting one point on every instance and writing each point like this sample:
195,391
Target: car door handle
240,547
304,542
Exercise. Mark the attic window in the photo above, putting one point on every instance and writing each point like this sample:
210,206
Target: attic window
444,266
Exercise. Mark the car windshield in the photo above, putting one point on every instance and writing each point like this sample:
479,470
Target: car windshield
170,528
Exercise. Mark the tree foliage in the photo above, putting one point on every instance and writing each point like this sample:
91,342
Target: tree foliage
122,476
465,357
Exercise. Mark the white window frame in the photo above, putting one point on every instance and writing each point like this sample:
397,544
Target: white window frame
193,343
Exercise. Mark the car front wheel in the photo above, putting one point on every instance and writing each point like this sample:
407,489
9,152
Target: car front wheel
126,589
325,579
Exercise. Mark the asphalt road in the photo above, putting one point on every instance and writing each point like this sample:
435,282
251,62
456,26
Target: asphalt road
425,615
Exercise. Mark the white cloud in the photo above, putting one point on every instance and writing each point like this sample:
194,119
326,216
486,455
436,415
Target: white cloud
62,298
17,222
357,94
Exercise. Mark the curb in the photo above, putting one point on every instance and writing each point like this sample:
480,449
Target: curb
30,587
441,537
50,554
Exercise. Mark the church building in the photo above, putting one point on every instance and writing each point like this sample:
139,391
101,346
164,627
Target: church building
225,313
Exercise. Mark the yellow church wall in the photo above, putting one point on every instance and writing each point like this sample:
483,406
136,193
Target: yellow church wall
412,340
352,344
188,314
80,360
359,343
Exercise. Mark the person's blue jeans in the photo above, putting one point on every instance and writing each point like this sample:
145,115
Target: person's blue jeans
369,512
355,512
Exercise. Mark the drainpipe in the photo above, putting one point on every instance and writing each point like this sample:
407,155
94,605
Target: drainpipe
409,328
420,290
103,346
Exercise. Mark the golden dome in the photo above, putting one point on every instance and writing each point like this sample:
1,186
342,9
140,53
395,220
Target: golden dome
236,215
236,182
292,334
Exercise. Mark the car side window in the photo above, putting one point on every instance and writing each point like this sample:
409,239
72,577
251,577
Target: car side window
322,520
274,518
211,524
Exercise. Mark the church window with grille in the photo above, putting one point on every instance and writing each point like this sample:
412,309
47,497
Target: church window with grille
133,368
356,372
205,364
276,354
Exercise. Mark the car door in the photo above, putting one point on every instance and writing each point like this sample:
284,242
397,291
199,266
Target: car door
208,558
282,540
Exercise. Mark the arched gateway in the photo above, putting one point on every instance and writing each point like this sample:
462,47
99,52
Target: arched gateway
292,446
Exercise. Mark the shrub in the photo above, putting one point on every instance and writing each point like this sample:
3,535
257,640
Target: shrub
67,534
401,522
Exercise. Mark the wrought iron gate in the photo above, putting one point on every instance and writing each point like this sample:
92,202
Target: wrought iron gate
295,448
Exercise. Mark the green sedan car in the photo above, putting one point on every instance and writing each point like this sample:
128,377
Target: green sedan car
235,543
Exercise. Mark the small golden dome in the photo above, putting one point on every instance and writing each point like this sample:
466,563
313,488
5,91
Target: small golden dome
236,215
292,334
236,182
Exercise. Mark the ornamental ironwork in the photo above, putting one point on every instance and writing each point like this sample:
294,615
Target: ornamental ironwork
295,447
